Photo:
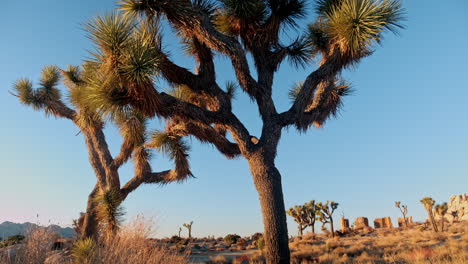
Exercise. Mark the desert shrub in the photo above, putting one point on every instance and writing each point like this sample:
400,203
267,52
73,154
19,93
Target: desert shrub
37,244
261,243
83,250
231,238
175,239
11,240
256,236
242,243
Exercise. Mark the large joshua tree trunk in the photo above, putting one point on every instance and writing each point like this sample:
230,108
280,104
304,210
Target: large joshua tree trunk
267,180
90,224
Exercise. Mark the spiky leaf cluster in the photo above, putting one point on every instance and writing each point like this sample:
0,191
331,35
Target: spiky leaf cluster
46,94
124,64
355,25
174,146
109,210
428,203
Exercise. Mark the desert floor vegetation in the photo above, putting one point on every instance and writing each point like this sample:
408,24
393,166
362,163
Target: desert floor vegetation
397,245
131,244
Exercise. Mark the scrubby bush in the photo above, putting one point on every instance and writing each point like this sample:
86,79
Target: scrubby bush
11,240
261,243
231,238
175,239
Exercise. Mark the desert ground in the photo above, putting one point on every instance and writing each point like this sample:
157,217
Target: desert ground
415,244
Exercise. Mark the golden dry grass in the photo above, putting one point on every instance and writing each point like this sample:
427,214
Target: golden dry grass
130,245
413,246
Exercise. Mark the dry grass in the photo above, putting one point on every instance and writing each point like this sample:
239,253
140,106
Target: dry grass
130,245
34,250
387,246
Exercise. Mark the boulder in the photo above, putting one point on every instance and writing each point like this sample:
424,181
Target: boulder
401,221
344,224
361,223
59,257
384,222
457,208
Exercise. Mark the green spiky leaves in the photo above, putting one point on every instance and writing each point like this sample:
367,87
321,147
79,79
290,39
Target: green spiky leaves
177,149
355,25
246,10
174,146
125,64
50,77
109,210
111,33
25,93
288,11
231,88
40,97
428,203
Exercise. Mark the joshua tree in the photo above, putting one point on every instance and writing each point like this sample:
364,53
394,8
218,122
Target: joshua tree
343,33
325,213
106,197
299,212
180,230
441,210
428,203
189,228
304,215
403,210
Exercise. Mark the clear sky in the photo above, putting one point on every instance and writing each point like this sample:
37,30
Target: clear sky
402,135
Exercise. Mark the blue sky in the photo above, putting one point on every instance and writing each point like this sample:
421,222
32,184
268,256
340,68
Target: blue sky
402,135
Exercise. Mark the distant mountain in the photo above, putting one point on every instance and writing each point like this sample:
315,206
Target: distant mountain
9,229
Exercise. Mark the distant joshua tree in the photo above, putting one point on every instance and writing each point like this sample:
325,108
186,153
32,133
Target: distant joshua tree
403,210
189,228
121,75
428,203
441,210
304,215
180,230
298,213
325,213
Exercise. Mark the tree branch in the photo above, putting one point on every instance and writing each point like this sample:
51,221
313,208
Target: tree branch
206,134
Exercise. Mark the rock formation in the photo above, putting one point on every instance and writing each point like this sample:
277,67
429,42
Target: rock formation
401,221
344,224
384,222
457,208
361,223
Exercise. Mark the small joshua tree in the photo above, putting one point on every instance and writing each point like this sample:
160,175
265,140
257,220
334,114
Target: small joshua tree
304,215
325,213
180,230
428,203
403,210
189,228
441,210
298,212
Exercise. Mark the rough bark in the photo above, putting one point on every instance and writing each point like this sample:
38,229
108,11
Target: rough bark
432,220
90,224
267,181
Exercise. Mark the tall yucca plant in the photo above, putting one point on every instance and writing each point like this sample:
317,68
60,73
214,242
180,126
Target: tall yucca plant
122,75
428,204
103,213
441,211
